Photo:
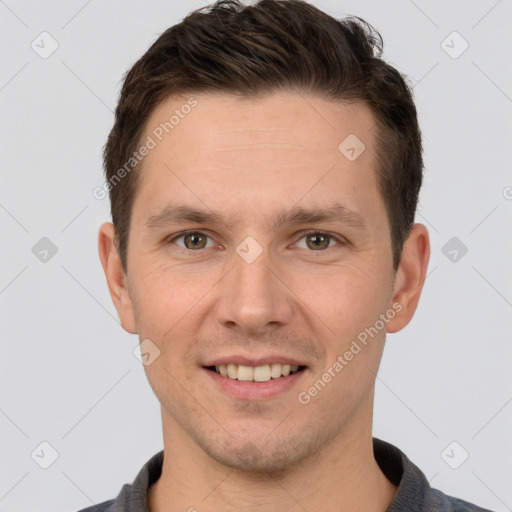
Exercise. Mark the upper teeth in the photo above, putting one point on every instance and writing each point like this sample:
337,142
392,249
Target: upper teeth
255,373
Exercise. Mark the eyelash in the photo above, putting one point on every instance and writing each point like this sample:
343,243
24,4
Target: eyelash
342,241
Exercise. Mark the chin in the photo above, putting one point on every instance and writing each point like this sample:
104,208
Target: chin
265,456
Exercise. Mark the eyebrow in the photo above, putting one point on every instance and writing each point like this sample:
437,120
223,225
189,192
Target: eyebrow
179,214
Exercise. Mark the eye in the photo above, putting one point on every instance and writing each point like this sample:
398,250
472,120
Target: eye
316,241
192,240
319,240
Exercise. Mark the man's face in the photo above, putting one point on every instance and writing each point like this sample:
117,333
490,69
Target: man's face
251,286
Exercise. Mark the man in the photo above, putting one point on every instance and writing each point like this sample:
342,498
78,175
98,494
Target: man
264,170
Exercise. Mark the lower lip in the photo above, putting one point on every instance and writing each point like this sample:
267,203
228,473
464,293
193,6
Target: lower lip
255,390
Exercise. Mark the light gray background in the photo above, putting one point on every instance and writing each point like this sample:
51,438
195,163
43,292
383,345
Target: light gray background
67,369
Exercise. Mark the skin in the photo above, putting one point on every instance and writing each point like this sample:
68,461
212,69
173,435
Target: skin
246,159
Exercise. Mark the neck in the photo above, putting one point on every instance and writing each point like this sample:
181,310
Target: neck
343,476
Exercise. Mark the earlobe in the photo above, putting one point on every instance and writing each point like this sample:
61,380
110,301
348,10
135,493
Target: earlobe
116,278
410,277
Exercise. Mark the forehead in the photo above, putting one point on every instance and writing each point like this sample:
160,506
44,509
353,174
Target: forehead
227,152
277,122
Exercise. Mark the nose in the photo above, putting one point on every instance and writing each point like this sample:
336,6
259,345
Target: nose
253,297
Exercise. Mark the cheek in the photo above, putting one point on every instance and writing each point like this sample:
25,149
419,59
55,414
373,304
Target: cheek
346,298
161,298
348,301
169,302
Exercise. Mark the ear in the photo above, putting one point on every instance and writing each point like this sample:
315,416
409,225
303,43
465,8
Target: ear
116,278
410,277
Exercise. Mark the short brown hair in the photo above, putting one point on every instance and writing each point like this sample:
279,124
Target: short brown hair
250,50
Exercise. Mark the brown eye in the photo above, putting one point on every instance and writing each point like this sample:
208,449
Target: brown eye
318,241
194,240
190,243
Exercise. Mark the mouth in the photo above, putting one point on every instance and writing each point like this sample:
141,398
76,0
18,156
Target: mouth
256,374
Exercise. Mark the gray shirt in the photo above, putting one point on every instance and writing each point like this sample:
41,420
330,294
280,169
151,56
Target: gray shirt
414,493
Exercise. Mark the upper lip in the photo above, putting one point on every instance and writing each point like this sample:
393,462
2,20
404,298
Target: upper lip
254,361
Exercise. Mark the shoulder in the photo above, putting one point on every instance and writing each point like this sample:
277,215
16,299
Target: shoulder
414,493
451,504
133,497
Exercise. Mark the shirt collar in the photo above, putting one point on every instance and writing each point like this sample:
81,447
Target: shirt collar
414,493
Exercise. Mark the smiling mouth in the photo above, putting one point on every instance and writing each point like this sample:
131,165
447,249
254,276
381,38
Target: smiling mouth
262,373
